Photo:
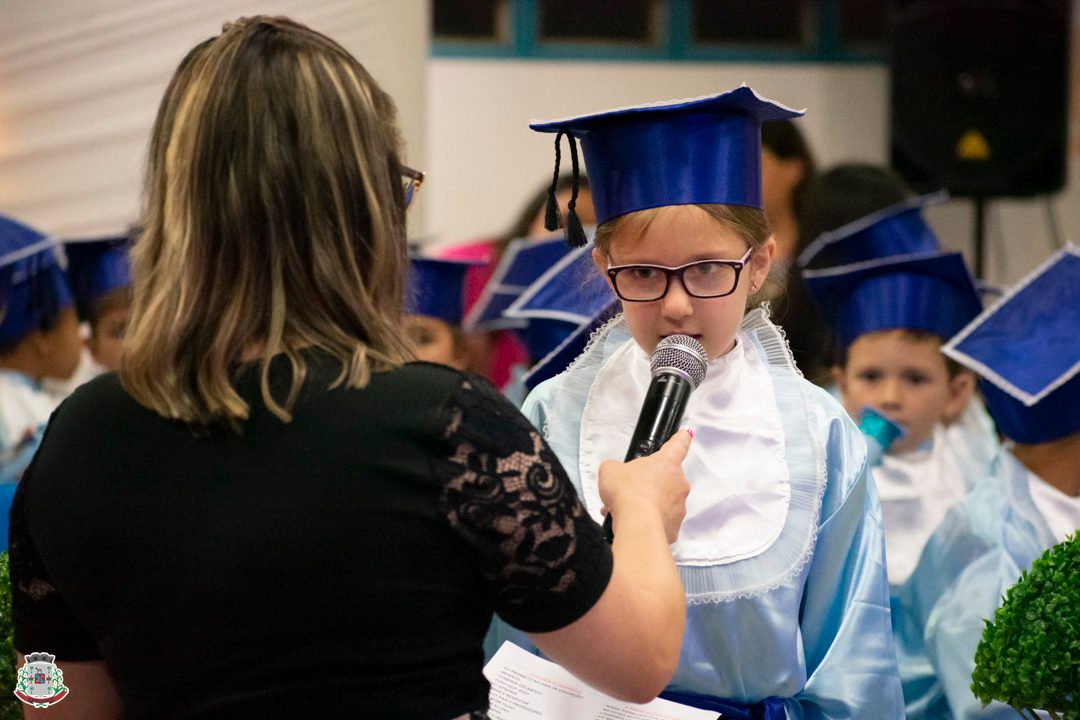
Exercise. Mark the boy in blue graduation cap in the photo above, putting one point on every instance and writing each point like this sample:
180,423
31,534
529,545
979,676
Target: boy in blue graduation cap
1026,349
434,309
890,313
781,551
39,339
100,275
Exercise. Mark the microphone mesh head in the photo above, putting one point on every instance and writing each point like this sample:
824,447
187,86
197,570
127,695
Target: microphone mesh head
681,354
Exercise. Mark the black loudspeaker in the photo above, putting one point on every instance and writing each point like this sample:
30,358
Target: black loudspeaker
979,98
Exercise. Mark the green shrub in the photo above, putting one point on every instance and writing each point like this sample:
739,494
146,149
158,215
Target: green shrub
1029,655
10,707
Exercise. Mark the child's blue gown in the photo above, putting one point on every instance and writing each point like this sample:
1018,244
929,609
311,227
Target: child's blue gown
781,552
976,554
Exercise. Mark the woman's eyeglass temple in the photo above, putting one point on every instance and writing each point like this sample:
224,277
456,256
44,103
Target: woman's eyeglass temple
411,180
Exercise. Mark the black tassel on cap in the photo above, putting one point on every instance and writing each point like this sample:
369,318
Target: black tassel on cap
552,221
575,234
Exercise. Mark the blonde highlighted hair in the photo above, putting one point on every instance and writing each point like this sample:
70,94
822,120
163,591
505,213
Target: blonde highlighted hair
274,222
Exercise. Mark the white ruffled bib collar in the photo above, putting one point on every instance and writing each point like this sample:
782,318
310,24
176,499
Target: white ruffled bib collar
740,486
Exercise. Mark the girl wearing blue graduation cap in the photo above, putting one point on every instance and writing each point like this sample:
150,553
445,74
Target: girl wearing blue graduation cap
435,305
1026,350
781,553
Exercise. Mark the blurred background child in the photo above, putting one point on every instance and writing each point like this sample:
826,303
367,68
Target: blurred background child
892,300
435,307
100,275
1027,351
39,338
841,195
787,171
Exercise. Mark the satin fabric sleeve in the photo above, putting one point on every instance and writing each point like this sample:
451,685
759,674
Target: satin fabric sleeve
845,617
970,561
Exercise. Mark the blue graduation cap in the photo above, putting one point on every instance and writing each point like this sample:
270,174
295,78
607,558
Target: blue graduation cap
926,291
569,294
896,230
437,287
700,151
522,262
33,287
560,357
1027,351
97,267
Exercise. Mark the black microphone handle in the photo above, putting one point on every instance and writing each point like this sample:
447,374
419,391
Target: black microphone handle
661,413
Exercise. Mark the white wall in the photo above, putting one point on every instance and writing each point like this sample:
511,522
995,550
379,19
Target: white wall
80,83
484,162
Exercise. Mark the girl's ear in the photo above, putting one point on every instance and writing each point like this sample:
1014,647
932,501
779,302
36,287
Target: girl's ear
761,262
961,388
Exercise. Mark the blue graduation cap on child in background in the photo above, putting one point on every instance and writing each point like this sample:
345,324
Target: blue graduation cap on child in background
97,267
896,230
569,294
563,354
928,291
436,287
1026,349
33,286
703,150
522,262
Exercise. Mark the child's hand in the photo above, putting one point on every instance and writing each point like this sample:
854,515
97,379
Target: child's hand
656,481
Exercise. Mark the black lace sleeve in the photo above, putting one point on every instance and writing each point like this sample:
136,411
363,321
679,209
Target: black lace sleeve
42,620
504,492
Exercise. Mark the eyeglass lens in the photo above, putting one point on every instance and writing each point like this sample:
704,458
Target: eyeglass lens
704,279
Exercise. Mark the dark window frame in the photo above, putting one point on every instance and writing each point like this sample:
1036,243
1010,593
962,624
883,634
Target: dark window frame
674,44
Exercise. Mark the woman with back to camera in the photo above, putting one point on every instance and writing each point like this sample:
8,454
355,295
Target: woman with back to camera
270,512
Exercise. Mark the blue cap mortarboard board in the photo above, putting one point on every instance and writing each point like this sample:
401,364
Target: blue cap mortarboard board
927,291
566,296
896,230
33,286
704,150
568,350
437,288
1027,350
522,262
97,267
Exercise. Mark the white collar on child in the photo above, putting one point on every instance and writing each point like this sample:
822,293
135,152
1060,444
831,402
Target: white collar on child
916,488
740,488
1061,511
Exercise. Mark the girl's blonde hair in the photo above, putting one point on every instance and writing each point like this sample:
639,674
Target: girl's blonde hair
748,222
274,222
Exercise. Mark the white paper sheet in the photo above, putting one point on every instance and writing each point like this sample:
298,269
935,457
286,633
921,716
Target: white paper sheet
527,687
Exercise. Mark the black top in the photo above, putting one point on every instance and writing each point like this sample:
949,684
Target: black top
345,564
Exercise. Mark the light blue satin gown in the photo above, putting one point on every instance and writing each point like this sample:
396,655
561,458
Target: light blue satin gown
807,621
976,554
